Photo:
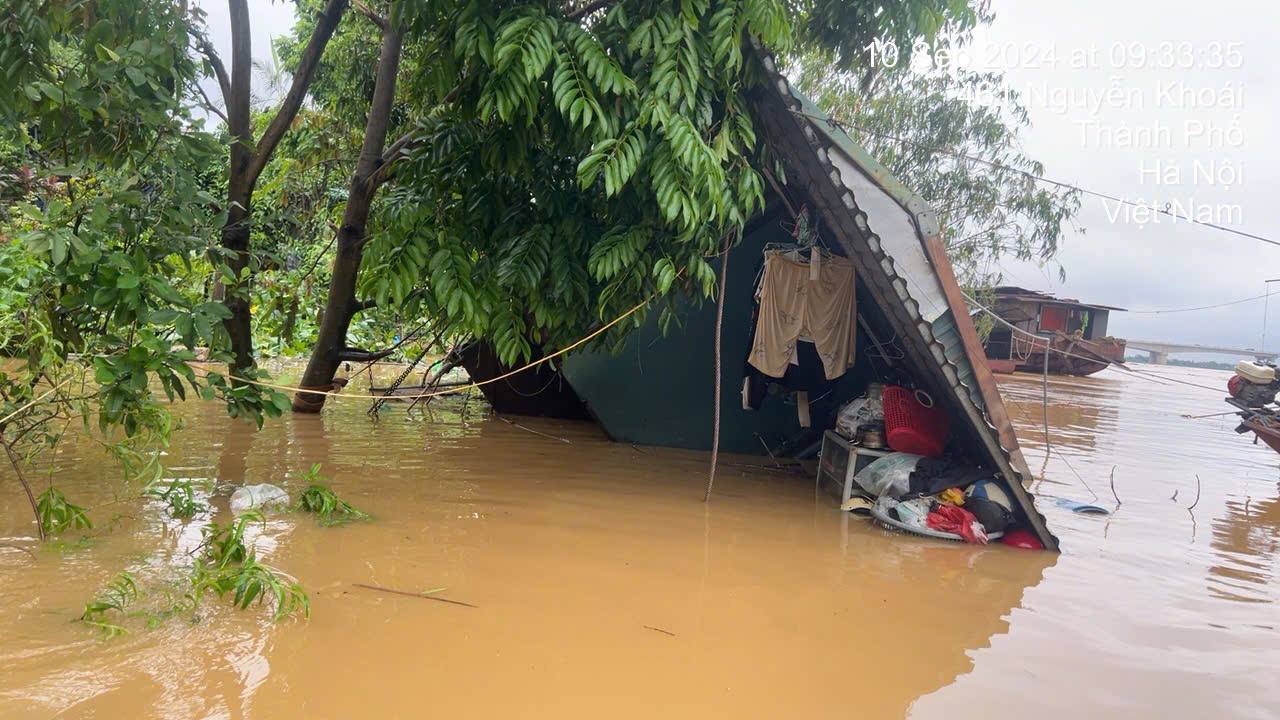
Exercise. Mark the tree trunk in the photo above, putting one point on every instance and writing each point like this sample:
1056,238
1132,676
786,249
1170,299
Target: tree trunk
290,320
235,234
247,160
341,303
235,240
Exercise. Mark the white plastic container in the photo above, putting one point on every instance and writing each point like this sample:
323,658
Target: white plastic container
252,497
1256,373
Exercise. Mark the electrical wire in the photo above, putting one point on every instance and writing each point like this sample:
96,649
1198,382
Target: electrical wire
1202,307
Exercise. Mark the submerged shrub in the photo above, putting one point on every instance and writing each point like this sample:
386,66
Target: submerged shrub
57,514
181,497
322,501
229,566
116,596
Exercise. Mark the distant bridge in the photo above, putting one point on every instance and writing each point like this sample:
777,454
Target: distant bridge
1160,351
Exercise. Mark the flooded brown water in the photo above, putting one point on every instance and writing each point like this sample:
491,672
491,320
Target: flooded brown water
604,587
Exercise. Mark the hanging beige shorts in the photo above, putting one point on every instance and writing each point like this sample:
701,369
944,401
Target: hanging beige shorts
793,306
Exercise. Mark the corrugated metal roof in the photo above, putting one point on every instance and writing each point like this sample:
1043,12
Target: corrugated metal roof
939,344
1009,292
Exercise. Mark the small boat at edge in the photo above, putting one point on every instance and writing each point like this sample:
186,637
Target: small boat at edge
1072,333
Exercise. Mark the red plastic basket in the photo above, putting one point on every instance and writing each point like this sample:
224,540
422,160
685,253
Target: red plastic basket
910,426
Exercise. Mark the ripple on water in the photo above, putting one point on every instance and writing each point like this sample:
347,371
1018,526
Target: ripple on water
603,583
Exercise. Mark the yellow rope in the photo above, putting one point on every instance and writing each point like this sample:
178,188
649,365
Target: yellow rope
46,394
451,390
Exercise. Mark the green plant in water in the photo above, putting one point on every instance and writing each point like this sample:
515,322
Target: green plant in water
254,581
247,582
181,498
229,566
224,544
322,501
116,596
183,505
57,514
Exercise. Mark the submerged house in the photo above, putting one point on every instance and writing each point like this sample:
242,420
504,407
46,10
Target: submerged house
910,324
1073,334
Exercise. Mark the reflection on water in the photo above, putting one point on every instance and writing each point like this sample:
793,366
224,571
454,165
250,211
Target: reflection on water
1247,538
1156,610
605,587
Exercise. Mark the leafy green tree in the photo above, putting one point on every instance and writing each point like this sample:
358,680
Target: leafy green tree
560,164
100,250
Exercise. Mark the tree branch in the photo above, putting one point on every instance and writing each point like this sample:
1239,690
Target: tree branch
325,25
402,143
587,9
371,162
351,354
17,469
373,17
209,104
219,71
383,171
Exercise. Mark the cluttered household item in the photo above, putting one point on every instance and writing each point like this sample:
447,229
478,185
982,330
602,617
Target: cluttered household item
888,476
913,423
907,517
861,411
954,519
993,516
858,505
1022,538
840,461
933,475
871,435
991,490
794,306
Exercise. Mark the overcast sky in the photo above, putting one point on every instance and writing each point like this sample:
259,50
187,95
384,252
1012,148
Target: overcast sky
270,18
1119,260
1158,265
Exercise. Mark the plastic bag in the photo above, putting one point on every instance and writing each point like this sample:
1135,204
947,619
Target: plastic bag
958,521
857,412
251,497
889,476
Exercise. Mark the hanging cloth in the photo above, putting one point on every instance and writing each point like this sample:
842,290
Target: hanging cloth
792,305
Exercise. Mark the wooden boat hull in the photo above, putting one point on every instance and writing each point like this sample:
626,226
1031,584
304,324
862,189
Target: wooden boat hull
1070,354
1267,430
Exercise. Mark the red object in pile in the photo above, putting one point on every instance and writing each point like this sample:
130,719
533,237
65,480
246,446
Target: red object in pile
957,521
910,426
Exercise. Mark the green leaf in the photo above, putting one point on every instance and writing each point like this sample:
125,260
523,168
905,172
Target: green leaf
57,248
163,316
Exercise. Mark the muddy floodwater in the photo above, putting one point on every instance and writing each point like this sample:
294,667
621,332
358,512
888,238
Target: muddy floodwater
602,586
